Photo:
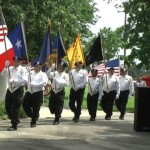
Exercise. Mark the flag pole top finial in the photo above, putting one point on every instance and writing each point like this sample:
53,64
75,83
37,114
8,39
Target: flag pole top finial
49,23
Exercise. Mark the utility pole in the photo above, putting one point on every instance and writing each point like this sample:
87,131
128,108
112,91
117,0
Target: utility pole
125,35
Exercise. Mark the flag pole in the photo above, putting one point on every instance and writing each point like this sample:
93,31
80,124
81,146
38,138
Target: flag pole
25,43
49,30
24,39
103,51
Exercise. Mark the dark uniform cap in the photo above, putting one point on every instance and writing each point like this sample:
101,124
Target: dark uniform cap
37,63
78,62
123,70
111,68
17,58
94,70
64,63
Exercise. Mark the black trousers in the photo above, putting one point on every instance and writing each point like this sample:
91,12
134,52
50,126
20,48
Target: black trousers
92,102
75,101
32,104
13,103
56,103
122,101
108,102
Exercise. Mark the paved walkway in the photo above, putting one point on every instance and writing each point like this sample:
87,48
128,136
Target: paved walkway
85,135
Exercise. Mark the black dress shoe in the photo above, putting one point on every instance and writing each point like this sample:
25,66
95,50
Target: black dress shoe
12,128
55,122
92,119
76,120
33,124
107,118
121,117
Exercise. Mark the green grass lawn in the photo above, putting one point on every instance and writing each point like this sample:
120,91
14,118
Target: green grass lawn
130,105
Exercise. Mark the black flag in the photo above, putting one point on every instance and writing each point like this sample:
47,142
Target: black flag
95,53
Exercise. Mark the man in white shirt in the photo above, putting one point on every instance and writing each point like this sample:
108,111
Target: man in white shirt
60,80
78,80
14,95
33,99
95,92
111,91
126,90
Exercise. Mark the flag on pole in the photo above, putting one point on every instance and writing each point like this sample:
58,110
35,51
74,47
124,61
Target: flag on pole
59,48
46,48
75,53
3,28
18,41
113,63
95,53
6,48
70,51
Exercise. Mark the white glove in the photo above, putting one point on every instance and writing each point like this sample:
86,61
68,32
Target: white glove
11,80
117,96
7,63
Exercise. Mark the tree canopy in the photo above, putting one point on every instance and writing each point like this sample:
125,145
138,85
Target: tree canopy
70,17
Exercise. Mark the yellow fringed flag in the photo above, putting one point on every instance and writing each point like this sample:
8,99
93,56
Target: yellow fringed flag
70,52
75,53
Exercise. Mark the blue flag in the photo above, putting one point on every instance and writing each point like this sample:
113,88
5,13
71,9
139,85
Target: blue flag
17,40
46,48
113,63
59,47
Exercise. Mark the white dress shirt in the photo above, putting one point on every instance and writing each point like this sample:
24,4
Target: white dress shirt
95,86
36,81
15,77
78,79
126,83
110,83
60,80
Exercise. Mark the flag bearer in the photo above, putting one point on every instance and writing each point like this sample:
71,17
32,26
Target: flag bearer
33,99
60,80
126,90
94,93
14,94
111,91
78,80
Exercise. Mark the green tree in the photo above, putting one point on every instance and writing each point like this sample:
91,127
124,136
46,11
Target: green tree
137,31
68,16
112,42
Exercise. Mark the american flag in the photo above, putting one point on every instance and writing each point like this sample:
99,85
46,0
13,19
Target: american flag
113,63
3,28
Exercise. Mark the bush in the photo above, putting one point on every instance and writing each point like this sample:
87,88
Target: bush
3,114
